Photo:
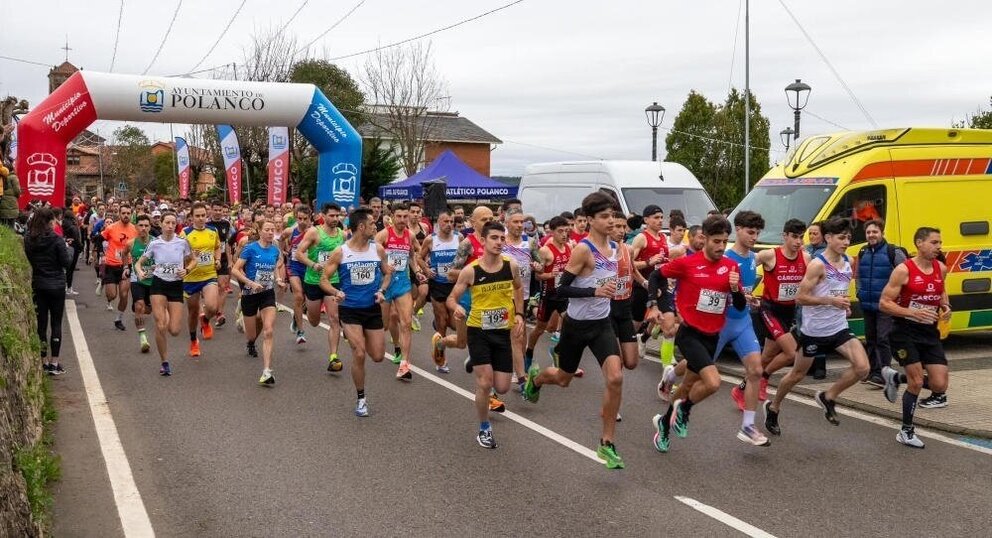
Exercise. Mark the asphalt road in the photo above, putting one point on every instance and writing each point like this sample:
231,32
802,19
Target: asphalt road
213,454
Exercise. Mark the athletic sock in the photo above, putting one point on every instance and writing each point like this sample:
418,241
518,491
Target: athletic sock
192,336
644,337
667,351
120,316
485,426
361,394
396,351
937,394
926,382
686,405
748,419
901,378
908,408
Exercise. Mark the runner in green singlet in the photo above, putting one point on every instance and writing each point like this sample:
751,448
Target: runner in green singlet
313,251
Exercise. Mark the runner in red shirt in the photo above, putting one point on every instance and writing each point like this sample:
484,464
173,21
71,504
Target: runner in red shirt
707,282
580,227
555,254
649,251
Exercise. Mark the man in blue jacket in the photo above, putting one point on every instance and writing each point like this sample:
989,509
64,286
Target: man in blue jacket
876,261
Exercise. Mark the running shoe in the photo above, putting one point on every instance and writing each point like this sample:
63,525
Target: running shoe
301,337
267,380
239,322
486,439
194,348
468,365
72,291
907,436
666,383
119,325
99,287
619,417
934,401
656,331
420,312
165,370
641,346
437,349
608,453
206,328
553,353
763,389
362,408
397,358
495,404
750,435
828,407
532,393
661,440
334,363
403,372
47,368
891,388
738,396
110,307
579,372
292,326
251,350
145,346
415,324
680,419
556,337
442,369
520,383
875,380
771,419
220,321
57,369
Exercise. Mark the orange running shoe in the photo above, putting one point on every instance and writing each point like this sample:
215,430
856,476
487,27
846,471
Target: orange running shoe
737,393
206,328
495,404
438,350
403,372
194,348
763,389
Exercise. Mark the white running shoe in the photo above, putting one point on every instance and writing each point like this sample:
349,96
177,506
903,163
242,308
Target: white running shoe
750,435
362,409
665,385
891,388
909,438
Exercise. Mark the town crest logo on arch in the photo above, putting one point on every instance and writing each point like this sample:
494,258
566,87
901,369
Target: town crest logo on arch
152,96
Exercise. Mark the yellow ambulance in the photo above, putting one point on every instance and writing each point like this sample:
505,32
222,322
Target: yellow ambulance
909,177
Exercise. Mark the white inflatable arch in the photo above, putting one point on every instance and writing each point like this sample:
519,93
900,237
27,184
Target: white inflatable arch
87,96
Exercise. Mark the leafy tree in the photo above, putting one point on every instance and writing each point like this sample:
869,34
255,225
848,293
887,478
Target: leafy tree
336,83
132,158
379,167
980,120
166,182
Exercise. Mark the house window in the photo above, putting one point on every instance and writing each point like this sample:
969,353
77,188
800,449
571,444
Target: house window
72,159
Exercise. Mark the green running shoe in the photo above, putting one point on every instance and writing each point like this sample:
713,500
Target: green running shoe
680,420
608,453
661,440
397,358
531,392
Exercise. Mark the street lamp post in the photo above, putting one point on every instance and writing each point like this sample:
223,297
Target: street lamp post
787,135
797,94
655,114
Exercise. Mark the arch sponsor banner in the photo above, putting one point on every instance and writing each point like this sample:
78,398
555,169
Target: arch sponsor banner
182,166
278,164
87,96
231,151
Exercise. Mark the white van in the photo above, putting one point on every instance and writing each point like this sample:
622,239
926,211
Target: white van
547,189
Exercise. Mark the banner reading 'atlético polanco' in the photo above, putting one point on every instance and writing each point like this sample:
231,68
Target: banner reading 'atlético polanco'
278,164
232,161
182,166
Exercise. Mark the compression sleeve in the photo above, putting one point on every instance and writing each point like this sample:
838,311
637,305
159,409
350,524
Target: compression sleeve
739,300
659,291
565,289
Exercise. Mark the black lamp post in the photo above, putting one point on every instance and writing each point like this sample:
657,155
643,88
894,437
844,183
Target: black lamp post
797,94
787,135
655,114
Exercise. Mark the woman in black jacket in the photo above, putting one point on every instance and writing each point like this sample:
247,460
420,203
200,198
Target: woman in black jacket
49,257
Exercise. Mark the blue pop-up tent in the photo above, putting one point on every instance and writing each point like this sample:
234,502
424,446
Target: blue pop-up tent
463,182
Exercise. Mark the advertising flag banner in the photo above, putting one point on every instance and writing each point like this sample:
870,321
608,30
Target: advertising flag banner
182,165
232,161
278,164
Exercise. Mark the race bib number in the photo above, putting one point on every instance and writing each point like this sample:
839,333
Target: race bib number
712,302
495,318
397,260
322,257
204,258
837,293
167,269
362,276
623,286
265,278
443,269
788,292
914,305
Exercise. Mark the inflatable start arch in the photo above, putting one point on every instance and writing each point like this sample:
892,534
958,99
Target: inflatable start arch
86,96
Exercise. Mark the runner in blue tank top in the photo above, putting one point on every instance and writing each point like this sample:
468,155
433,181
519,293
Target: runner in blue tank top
364,276
437,257
289,241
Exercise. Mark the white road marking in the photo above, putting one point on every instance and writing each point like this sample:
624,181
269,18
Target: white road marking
926,433
130,508
725,518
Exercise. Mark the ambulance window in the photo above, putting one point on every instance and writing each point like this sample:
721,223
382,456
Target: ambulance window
861,205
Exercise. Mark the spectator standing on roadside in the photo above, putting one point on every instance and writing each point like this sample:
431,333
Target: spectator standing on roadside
74,239
49,257
11,191
876,261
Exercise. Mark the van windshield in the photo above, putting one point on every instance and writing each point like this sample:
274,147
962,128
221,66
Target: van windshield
694,203
779,203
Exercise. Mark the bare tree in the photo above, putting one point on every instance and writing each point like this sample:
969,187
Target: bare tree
403,84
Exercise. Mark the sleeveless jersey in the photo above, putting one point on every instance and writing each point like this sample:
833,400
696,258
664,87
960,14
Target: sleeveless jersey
478,249
443,256
922,291
137,249
625,273
825,320
360,276
204,244
559,259
492,298
295,267
748,270
398,255
520,253
652,247
590,308
782,282
320,252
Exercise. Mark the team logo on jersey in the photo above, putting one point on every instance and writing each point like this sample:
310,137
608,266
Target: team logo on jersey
722,270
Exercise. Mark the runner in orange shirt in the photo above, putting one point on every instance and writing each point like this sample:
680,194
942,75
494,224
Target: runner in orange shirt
116,259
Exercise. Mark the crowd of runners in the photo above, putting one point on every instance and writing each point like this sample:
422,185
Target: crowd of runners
497,282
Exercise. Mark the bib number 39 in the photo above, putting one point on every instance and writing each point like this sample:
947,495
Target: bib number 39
711,302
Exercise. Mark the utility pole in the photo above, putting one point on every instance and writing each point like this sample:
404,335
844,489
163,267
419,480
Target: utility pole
747,96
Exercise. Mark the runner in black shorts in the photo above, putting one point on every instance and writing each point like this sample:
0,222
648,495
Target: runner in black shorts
555,253
220,222
916,298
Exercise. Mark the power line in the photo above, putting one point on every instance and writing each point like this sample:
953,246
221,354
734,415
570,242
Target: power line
23,61
555,149
432,32
821,118
333,26
221,36
165,37
295,13
733,53
718,141
120,16
823,57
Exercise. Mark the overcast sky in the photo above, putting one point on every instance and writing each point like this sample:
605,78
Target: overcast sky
565,80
